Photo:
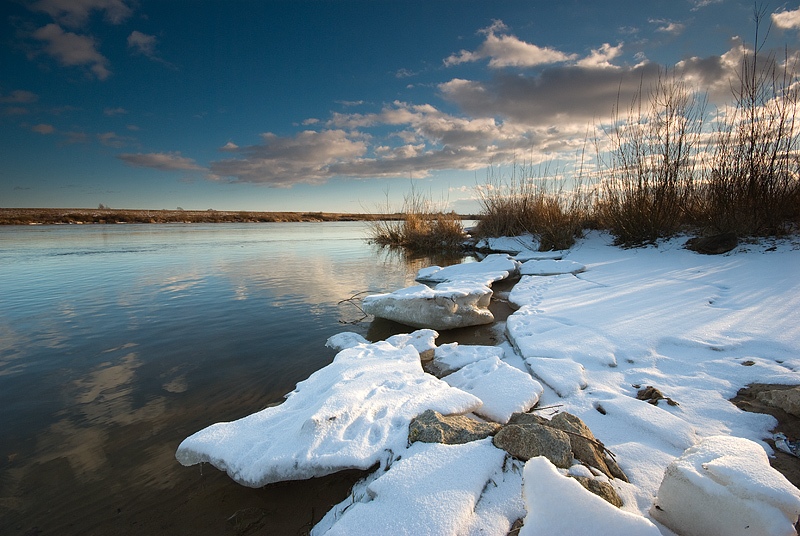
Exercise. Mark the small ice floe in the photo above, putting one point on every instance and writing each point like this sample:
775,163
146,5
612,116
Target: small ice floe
449,305
493,268
344,416
503,389
557,504
724,485
551,267
540,255
434,489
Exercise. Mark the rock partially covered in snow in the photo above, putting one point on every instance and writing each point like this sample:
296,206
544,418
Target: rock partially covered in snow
448,306
433,489
551,267
345,340
560,505
433,427
493,268
503,389
526,441
725,486
343,416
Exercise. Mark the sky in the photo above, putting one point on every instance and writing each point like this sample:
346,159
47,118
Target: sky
334,106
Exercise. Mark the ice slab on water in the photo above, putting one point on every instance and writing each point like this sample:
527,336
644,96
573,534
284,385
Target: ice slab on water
560,505
450,305
493,268
725,486
343,416
503,389
509,244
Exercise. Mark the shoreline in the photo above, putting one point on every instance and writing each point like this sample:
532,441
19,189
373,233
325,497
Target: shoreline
80,216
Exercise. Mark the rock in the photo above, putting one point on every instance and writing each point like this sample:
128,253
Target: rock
585,447
786,399
603,490
713,245
433,427
724,485
531,440
652,395
448,306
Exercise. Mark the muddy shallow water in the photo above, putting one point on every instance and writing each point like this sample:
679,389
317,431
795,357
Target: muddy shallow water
117,342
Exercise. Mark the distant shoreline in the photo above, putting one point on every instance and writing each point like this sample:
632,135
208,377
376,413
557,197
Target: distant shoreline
76,216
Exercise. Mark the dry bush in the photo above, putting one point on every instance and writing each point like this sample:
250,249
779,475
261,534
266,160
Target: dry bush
648,162
753,186
422,228
539,205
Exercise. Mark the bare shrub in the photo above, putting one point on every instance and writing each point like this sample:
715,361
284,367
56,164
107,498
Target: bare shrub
422,227
648,162
753,186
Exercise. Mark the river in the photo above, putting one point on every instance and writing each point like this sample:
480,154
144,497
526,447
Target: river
118,341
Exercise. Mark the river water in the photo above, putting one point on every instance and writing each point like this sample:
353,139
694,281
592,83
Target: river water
118,341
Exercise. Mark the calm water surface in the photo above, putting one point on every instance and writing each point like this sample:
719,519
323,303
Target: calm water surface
117,342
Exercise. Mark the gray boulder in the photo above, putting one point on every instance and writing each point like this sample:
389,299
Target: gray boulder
604,490
786,399
527,441
585,447
433,427
713,245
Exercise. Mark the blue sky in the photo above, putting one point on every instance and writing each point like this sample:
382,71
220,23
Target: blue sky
329,106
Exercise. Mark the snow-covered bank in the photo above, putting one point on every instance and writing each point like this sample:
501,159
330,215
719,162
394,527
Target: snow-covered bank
587,340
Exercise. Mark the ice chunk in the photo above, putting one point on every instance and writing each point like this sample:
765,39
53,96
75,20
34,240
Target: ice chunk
347,339
422,340
725,486
523,256
433,489
449,305
493,268
654,421
509,244
560,505
343,416
551,267
564,376
451,357
502,388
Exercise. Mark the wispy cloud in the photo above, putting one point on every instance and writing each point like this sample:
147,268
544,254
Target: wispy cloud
110,112
43,128
506,50
145,45
600,58
161,161
71,49
669,27
19,96
76,13
787,19
111,139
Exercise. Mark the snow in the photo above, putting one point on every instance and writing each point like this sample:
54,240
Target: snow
502,388
550,267
725,486
453,356
433,489
697,327
557,504
343,416
509,244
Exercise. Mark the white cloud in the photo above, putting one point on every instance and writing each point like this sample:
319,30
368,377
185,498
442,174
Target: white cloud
142,43
43,128
75,13
161,161
284,161
111,139
19,96
600,57
787,19
73,50
508,51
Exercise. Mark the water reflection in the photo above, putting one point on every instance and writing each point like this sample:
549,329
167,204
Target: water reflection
118,342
